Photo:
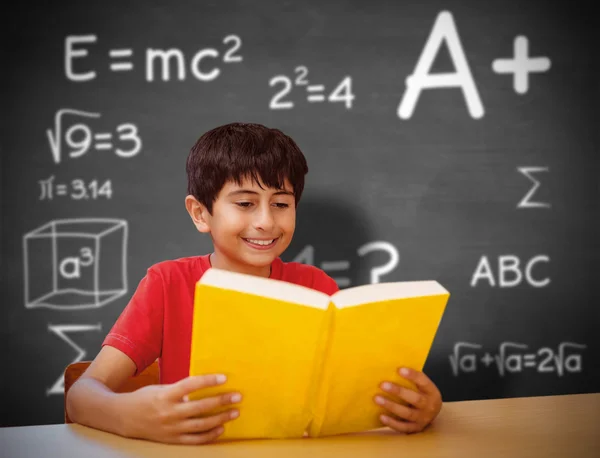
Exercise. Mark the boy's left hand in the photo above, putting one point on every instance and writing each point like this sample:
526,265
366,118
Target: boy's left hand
423,407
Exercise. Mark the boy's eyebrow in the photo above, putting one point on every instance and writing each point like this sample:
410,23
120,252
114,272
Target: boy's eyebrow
248,191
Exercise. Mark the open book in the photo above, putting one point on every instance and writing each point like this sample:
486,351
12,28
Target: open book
306,361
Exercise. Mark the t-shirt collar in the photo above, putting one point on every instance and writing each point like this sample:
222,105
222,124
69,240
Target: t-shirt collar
276,266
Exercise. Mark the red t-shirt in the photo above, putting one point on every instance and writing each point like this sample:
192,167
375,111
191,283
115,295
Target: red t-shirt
157,322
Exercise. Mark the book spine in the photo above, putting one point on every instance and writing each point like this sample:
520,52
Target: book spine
321,374
194,346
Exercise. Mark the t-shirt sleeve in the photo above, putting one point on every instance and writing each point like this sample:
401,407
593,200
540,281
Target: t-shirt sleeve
323,282
138,331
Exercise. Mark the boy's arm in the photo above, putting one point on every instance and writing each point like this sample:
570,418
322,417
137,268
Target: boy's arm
92,400
156,412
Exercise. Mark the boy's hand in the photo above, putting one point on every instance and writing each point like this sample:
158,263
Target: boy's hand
423,406
162,413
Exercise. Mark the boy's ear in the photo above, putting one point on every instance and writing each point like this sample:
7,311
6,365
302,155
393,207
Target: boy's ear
199,213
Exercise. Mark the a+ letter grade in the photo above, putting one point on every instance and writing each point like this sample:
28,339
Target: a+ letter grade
521,65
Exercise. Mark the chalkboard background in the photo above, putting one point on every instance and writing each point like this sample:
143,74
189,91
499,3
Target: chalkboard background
446,192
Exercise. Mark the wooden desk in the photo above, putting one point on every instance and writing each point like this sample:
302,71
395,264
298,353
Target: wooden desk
565,426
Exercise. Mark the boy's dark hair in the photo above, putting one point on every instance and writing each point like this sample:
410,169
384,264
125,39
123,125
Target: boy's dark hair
243,150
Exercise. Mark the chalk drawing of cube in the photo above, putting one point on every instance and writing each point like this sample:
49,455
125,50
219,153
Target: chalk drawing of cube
75,264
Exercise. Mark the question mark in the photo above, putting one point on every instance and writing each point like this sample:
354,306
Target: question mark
386,268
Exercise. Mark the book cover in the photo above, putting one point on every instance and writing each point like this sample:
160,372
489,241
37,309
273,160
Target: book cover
306,361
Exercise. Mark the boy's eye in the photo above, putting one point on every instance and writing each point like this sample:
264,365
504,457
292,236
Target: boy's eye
249,204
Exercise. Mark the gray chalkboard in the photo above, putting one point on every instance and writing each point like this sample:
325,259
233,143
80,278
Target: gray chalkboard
488,185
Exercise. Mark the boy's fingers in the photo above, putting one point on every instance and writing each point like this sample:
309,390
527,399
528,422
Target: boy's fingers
194,408
412,397
399,410
190,384
423,382
400,426
196,439
202,424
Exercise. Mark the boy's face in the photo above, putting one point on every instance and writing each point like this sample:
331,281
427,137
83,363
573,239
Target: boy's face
250,226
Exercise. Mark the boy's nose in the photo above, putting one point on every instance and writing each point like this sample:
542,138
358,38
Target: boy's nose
264,220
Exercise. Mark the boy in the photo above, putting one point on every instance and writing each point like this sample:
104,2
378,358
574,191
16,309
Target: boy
244,183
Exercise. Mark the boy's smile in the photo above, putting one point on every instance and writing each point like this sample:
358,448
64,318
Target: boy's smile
250,225
261,244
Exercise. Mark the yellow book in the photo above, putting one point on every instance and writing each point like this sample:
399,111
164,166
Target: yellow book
305,361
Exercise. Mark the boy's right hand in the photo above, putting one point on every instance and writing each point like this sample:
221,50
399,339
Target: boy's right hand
162,412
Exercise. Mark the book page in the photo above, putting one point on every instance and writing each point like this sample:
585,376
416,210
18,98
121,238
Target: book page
266,287
386,291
